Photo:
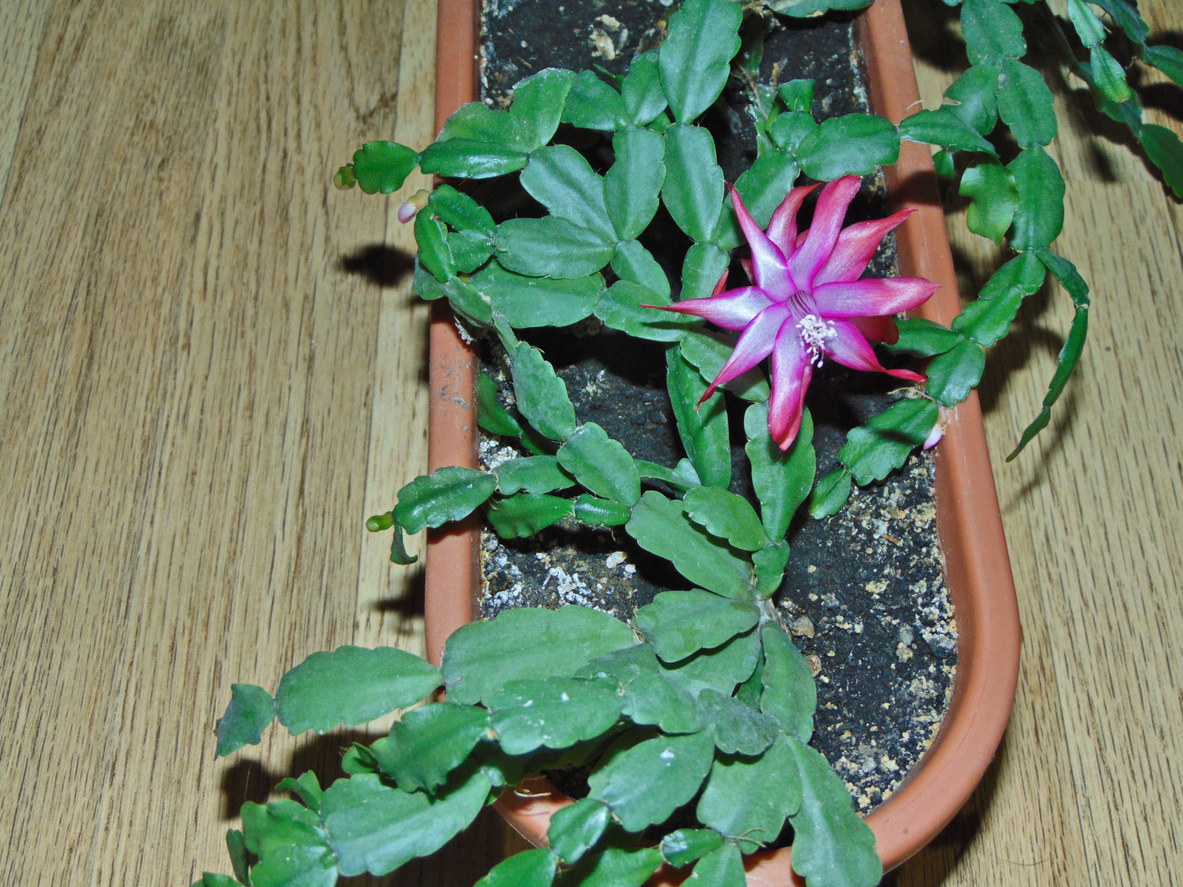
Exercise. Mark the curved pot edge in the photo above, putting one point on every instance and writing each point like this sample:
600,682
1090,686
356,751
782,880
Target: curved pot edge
977,569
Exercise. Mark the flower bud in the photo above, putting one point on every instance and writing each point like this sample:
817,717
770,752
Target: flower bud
412,205
938,429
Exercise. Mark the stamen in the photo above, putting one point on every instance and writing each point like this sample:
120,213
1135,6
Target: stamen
814,333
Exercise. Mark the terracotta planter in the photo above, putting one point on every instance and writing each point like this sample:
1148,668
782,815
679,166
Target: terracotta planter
977,568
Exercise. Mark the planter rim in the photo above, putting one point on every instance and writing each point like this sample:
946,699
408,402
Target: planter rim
969,523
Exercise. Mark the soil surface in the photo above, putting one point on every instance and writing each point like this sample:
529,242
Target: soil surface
864,594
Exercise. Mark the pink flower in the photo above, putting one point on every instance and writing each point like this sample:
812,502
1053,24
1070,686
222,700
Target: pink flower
806,302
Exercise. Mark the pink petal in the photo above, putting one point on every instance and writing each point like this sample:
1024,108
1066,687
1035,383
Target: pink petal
732,310
747,267
753,346
720,285
782,229
848,347
878,329
823,232
855,247
768,263
871,297
791,372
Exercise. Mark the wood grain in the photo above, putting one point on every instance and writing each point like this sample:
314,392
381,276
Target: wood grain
211,372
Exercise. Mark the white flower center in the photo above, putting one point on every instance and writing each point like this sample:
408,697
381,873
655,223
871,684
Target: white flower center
814,333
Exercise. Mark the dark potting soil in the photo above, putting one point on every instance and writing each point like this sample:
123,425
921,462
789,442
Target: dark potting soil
864,595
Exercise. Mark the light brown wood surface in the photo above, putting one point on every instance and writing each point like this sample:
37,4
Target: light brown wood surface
212,370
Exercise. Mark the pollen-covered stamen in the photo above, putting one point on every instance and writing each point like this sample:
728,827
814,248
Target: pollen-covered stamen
814,333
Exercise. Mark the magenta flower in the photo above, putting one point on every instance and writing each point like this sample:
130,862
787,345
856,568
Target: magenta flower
806,302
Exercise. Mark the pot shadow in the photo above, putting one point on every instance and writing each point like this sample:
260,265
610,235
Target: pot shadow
934,865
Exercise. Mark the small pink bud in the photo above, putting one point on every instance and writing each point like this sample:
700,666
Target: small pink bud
412,205
938,430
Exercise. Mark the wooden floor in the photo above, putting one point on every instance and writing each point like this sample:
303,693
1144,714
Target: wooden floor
211,371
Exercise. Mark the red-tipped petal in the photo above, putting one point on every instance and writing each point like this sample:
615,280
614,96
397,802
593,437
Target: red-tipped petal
753,346
732,310
870,297
720,286
768,263
878,329
791,372
782,229
747,267
848,347
823,231
855,247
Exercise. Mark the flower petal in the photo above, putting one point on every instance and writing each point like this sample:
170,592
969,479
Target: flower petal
823,231
871,297
782,229
848,347
732,310
878,329
855,247
770,272
753,346
791,372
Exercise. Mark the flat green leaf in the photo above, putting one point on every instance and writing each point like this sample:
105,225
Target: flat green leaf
471,159
790,128
552,713
789,694
738,729
722,868
376,829
721,669
434,254
491,415
693,190
768,566
831,843
953,375
593,104
1125,17
464,299
541,394
521,516
696,56
621,308
445,495
748,799
985,321
763,188
781,479
680,623
1024,274
209,879
632,185
1025,104
1167,59
1088,27
854,144
797,95
460,212
1040,216
537,301
633,263
975,94
992,32
641,89
428,743
551,247
560,179
702,427
704,264
575,829
1065,272
874,450
236,847
1109,75
292,847
830,494
649,697
681,477
482,657
533,474
306,787
686,845
726,516
810,8
994,199
597,512
660,526
644,784
382,167
945,128
250,712
1165,150
613,867
708,350
469,249
538,103
477,122
530,868
601,464
351,685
